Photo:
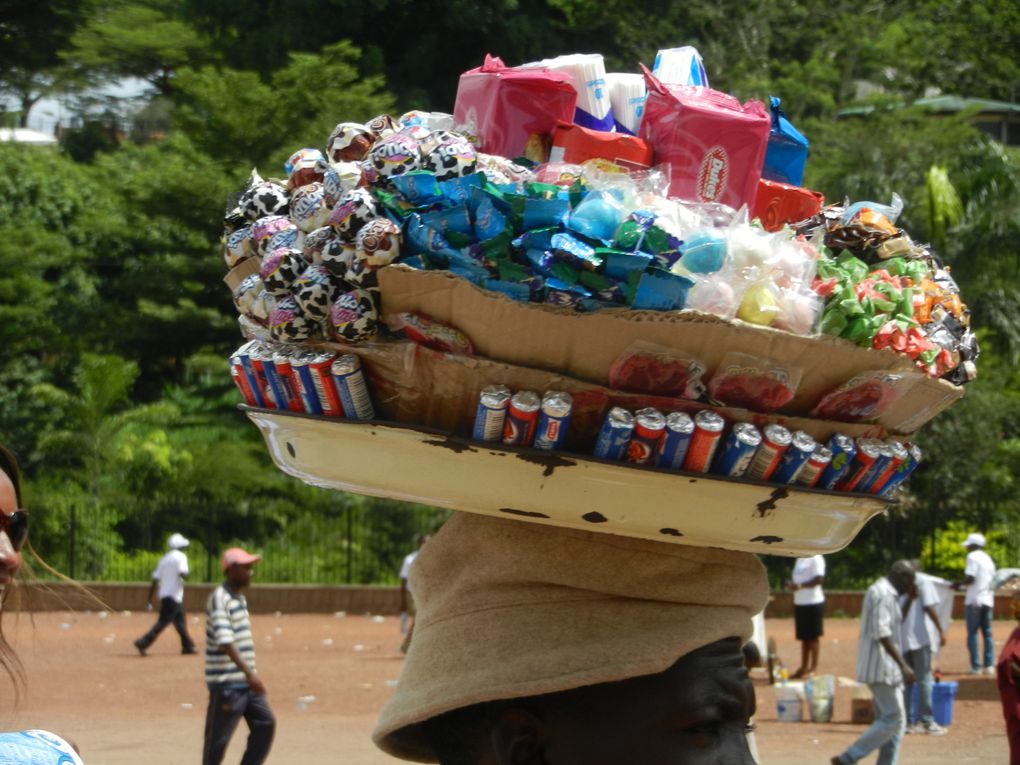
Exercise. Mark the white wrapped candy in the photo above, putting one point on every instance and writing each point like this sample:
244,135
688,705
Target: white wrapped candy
315,243
314,292
304,166
266,227
288,324
749,247
246,292
349,142
395,154
265,198
338,256
354,317
378,242
308,207
290,238
362,275
353,210
338,178
280,269
238,247
448,155
263,307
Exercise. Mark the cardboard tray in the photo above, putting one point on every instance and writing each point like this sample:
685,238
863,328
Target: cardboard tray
584,346
429,466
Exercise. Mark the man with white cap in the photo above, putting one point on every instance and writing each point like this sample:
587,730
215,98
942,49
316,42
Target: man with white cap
978,574
541,645
169,576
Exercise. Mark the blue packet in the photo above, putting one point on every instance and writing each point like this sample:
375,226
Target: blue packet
459,190
661,291
541,260
542,213
515,290
422,239
580,254
489,222
559,293
787,150
620,265
454,219
597,216
419,187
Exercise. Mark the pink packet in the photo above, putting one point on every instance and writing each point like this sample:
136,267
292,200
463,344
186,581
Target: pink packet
509,106
714,146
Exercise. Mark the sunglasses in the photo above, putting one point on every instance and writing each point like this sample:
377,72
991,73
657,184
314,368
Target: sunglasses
15,526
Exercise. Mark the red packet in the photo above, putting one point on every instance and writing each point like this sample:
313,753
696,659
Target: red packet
777,204
714,146
575,144
509,106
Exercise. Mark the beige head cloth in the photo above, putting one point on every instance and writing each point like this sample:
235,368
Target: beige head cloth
508,609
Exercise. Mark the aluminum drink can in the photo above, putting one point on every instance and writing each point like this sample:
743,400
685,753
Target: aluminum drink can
891,455
802,446
737,450
320,368
243,356
259,355
775,439
352,388
301,381
649,427
900,454
615,434
708,430
869,451
553,420
902,473
490,417
240,378
843,451
282,360
812,470
676,441
521,418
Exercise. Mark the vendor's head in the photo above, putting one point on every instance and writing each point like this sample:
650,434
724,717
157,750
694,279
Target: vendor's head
901,575
535,644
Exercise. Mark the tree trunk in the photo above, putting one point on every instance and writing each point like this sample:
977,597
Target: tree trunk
28,100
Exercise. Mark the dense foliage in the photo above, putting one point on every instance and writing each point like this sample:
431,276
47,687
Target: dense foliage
114,322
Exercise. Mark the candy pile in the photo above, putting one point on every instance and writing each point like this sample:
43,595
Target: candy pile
883,290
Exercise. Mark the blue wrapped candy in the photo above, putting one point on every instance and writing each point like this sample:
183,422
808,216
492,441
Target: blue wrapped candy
703,252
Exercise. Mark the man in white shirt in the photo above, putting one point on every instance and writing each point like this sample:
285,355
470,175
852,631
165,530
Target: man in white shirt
880,665
808,610
978,602
922,636
169,576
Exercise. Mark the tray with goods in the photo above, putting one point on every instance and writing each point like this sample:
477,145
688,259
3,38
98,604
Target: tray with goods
531,308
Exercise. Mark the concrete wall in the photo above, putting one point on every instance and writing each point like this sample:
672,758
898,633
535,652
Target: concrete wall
292,598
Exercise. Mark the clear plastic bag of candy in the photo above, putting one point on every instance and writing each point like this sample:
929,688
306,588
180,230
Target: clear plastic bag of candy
432,334
865,396
753,382
650,368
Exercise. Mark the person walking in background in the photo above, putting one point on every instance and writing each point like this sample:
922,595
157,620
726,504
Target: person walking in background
922,636
169,576
1008,671
235,690
978,602
880,665
808,610
407,607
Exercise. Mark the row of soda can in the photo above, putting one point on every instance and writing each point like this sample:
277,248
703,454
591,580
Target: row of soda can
300,379
523,418
697,444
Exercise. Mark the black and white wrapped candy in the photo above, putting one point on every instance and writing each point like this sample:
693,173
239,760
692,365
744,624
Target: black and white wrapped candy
268,226
448,155
263,307
288,324
378,242
308,208
354,317
394,155
338,178
315,242
246,292
353,210
280,269
288,238
338,256
362,275
349,142
315,291
264,198
239,246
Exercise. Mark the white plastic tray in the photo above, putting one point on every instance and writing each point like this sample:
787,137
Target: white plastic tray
420,465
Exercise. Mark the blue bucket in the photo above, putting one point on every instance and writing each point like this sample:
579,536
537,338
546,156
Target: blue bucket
942,695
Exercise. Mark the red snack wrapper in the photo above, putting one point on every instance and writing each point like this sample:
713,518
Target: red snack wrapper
865,396
425,331
715,146
575,144
777,204
652,369
508,106
750,382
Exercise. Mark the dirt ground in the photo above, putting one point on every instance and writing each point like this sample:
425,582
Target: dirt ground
328,675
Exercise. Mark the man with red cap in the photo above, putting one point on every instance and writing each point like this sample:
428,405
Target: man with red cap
235,690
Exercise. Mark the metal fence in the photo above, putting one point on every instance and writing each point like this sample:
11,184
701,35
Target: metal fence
348,545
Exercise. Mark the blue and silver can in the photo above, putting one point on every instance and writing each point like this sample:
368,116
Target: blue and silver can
802,446
301,373
553,420
490,417
876,471
843,451
280,388
902,472
676,442
737,450
243,355
351,388
614,435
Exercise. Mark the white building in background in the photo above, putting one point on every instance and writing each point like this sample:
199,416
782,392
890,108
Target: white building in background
27,136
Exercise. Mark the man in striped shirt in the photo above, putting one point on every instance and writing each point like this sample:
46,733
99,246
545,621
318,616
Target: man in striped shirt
880,665
235,691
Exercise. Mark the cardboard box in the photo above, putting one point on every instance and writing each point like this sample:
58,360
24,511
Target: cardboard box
584,346
862,711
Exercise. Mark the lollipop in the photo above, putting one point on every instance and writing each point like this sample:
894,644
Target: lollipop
353,210
314,291
303,167
378,242
238,247
308,207
395,154
349,142
338,178
449,155
315,243
288,324
338,256
280,269
265,198
354,317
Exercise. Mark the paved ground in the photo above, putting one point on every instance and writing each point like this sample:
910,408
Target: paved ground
328,676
